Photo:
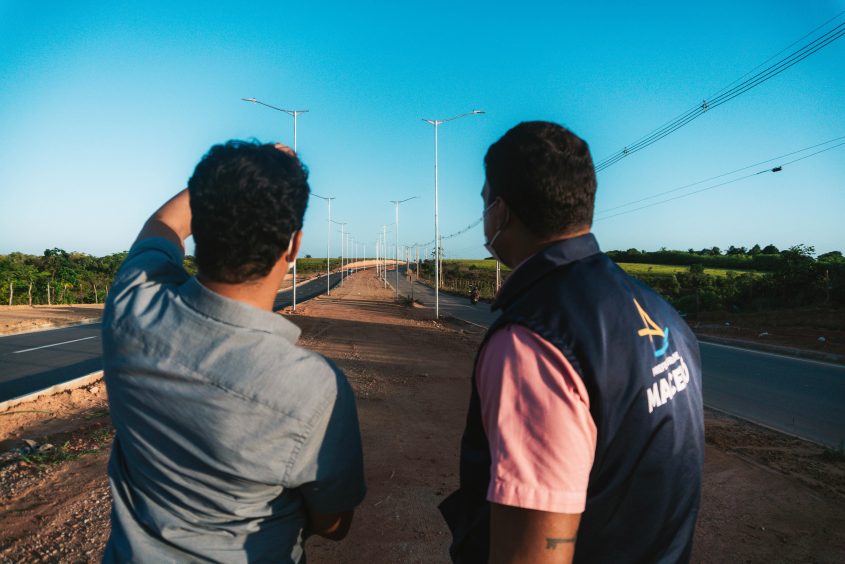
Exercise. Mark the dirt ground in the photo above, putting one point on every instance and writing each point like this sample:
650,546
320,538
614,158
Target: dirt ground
19,318
767,497
813,329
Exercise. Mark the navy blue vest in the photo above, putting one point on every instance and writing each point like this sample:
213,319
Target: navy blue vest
640,364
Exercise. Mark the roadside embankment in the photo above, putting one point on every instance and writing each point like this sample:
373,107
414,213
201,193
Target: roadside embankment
23,318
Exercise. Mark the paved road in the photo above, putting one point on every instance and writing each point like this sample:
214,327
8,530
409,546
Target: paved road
33,361
801,397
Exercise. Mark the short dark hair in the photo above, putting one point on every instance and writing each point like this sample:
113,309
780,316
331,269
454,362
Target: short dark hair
545,175
247,199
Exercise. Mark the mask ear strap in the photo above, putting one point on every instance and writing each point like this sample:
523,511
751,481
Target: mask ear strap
290,244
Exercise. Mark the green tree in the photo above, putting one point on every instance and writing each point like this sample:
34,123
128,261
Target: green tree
798,278
831,257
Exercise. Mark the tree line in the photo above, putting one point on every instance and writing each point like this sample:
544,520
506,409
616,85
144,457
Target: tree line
772,278
59,277
775,279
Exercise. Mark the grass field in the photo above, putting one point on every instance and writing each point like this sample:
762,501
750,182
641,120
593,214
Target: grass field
459,275
629,267
468,264
667,270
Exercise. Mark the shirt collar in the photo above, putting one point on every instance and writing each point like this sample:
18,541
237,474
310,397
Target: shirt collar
541,263
233,312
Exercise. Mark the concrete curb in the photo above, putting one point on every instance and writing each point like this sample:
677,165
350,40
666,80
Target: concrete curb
80,382
766,426
774,349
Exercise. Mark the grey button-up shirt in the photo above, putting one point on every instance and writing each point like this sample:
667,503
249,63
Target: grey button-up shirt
227,434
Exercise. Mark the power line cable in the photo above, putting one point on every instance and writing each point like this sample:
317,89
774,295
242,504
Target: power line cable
774,169
472,225
730,92
700,109
690,115
657,195
812,31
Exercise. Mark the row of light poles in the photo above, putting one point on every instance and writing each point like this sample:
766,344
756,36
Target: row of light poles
437,250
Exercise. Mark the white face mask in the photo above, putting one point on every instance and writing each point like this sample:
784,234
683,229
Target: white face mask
489,244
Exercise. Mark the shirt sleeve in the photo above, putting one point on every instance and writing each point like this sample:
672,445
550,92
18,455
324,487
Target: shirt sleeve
536,414
329,469
151,260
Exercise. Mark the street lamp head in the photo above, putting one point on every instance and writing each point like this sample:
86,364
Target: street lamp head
477,112
253,100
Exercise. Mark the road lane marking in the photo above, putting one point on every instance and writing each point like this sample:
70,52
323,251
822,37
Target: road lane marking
54,345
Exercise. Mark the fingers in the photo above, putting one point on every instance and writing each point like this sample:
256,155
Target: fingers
285,149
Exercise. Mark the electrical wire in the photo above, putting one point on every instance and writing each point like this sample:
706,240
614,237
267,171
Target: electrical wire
730,92
453,235
774,169
657,195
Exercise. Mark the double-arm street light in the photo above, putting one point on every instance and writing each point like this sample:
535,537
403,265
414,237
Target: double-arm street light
436,123
295,114
328,241
396,203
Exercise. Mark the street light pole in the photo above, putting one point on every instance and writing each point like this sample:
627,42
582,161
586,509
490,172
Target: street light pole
436,123
328,242
341,247
295,114
384,238
396,203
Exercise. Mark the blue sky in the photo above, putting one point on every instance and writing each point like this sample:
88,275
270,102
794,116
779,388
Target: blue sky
105,109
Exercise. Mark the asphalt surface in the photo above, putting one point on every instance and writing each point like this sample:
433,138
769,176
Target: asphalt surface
33,361
30,362
804,398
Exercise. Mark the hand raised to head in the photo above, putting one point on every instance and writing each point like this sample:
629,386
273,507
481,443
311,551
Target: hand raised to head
285,149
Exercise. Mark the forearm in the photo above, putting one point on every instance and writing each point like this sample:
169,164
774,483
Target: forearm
524,535
171,221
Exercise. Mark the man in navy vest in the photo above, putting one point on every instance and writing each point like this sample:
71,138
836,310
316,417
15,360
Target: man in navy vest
585,437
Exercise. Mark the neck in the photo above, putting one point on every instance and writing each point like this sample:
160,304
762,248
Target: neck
260,293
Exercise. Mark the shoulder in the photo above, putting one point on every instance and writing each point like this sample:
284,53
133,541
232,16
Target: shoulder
151,265
516,352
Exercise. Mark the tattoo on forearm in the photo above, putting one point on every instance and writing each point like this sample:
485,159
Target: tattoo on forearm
551,543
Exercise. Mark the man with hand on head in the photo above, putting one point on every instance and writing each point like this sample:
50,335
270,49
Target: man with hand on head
232,444
585,438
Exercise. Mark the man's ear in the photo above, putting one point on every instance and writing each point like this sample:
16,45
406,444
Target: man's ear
294,248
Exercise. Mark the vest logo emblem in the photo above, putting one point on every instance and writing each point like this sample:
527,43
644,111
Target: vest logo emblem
652,330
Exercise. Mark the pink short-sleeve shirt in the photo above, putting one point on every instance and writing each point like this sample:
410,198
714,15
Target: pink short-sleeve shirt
536,415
